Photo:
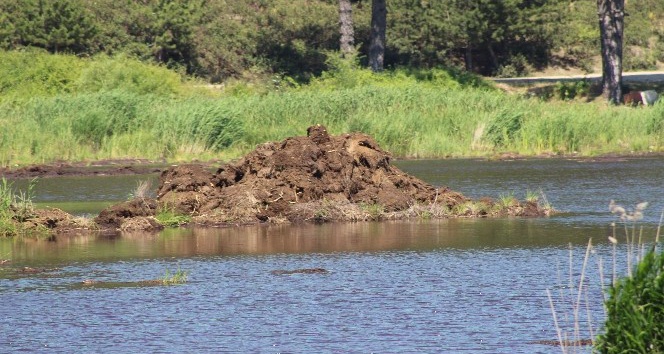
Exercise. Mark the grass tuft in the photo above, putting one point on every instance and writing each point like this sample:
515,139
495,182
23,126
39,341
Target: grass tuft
179,277
16,207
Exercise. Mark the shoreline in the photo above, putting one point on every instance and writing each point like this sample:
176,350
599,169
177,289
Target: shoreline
138,166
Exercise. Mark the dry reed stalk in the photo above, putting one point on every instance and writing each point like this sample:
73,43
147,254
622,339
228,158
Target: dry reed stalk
555,322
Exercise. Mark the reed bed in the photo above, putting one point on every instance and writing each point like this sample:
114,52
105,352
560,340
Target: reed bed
119,108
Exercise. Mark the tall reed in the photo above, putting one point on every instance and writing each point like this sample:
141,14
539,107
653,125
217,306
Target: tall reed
117,107
633,298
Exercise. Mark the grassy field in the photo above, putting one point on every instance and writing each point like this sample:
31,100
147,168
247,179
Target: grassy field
56,107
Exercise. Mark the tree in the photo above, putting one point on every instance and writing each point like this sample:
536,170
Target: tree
611,26
347,40
57,26
378,27
174,32
67,26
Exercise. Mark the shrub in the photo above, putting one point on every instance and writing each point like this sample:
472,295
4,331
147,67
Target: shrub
112,73
33,72
635,310
571,90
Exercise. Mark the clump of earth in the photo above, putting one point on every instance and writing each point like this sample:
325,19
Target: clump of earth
312,178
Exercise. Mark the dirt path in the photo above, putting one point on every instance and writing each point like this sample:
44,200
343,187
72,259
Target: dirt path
640,77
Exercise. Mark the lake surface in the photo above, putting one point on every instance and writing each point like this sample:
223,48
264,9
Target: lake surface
426,285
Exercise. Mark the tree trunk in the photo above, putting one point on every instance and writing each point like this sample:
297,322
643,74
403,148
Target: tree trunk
378,27
611,25
468,58
347,41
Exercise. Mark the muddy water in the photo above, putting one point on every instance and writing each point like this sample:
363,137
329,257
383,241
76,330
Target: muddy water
431,286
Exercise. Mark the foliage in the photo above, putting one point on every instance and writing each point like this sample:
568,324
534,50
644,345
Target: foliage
96,111
219,39
504,127
179,277
571,90
374,211
170,218
57,26
33,73
635,310
120,72
507,200
7,225
116,123
15,207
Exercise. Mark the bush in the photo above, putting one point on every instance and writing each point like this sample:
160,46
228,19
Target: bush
34,72
571,90
635,310
112,73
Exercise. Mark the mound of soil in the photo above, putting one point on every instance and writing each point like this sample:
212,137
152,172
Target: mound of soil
317,178
276,179
55,220
133,213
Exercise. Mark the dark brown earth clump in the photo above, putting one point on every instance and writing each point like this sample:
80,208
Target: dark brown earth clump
133,212
313,178
298,179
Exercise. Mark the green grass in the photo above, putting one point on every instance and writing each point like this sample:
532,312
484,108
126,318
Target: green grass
169,218
179,277
105,108
15,208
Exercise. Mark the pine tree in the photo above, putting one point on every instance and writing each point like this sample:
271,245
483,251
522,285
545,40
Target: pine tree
611,25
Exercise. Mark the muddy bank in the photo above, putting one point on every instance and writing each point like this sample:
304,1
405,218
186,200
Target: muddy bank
312,178
95,168
142,166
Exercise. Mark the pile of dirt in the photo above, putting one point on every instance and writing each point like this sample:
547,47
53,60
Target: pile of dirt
130,215
274,181
53,220
317,178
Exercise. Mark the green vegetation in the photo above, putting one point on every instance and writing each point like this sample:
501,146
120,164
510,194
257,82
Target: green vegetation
15,208
635,310
116,107
374,211
633,299
635,307
219,39
169,218
179,277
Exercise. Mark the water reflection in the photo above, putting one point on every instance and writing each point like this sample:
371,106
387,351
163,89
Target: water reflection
424,285
423,235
